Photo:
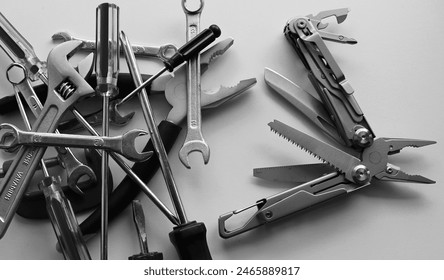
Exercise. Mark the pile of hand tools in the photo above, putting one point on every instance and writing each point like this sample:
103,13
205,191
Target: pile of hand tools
52,88
55,92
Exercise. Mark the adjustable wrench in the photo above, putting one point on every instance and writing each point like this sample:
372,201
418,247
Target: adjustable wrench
65,87
194,140
161,52
123,144
17,75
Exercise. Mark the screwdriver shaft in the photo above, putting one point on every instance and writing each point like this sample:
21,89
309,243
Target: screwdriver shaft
107,69
153,130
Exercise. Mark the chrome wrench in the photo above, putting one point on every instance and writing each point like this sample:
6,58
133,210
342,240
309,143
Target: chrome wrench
162,52
65,87
194,140
17,75
123,144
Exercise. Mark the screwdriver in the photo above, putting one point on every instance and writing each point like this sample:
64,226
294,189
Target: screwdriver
59,209
139,222
189,238
191,48
107,70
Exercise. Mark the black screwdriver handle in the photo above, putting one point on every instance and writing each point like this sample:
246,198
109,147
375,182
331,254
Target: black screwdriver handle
190,241
193,47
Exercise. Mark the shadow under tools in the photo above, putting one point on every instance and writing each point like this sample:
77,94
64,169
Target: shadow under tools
331,214
391,190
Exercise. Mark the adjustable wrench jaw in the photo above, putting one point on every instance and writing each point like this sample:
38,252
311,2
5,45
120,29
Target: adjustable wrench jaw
65,87
63,79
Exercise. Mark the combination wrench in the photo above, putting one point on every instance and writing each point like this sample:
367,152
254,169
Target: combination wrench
17,75
65,87
194,140
162,52
122,144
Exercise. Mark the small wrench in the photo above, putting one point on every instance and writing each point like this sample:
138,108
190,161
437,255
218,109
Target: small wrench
17,75
65,88
194,140
123,144
163,52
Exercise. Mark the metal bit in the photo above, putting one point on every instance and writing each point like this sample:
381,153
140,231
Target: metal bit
194,141
163,52
139,222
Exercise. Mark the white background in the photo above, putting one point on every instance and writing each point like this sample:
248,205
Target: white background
396,70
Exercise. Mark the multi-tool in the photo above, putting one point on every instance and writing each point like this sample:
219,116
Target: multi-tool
361,157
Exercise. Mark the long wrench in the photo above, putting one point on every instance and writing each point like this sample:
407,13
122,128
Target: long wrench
162,52
19,50
74,168
194,140
59,209
65,87
123,144
32,62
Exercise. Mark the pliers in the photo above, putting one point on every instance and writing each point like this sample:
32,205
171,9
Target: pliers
169,130
358,161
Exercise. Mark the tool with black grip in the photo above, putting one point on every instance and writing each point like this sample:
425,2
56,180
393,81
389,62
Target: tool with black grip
198,249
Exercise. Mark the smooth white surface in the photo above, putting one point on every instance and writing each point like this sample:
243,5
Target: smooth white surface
396,70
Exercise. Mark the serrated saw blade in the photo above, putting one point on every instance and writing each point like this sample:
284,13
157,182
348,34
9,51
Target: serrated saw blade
325,152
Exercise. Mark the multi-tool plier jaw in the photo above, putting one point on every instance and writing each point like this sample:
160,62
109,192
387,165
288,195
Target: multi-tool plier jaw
359,161
327,78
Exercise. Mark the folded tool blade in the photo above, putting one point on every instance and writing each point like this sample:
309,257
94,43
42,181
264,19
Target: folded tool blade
307,103
293,173
325,152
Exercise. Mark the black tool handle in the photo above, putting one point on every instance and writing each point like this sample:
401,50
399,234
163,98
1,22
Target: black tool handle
148,256
193,47
126,191
190,241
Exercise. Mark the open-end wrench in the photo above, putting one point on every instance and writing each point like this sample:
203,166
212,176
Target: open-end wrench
122,144
65,87
194,140
59,209
161,52
18,77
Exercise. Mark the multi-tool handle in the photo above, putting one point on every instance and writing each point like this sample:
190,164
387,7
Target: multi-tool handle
288,202
326,76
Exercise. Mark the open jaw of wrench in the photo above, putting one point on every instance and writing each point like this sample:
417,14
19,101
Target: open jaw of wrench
17,75
65,88
123,144
194,141
163,52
